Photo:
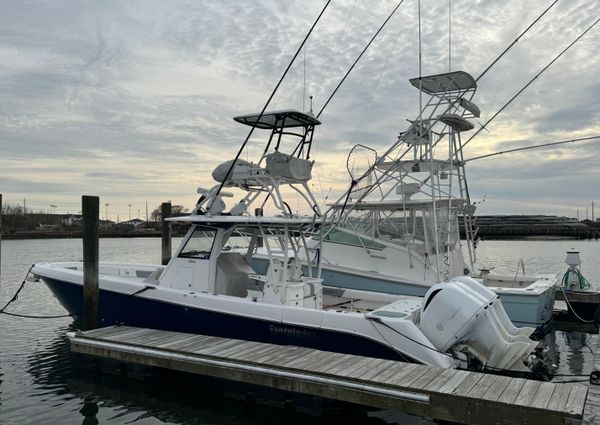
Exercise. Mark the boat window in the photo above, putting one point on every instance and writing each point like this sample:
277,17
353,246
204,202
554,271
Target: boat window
199,244
347,238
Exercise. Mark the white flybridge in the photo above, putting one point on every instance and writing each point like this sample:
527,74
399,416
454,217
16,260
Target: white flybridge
398,225
211,287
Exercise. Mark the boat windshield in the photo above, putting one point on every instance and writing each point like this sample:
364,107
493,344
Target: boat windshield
199,245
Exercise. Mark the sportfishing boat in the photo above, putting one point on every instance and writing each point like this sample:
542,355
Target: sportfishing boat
397,228
209,286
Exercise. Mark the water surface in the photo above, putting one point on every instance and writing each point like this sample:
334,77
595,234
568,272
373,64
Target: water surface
40,385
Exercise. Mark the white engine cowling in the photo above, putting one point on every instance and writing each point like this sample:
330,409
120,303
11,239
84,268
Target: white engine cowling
464,313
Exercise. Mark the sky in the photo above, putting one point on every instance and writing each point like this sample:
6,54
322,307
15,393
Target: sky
133,101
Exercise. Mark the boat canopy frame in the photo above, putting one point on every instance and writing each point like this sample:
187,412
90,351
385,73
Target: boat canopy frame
279,122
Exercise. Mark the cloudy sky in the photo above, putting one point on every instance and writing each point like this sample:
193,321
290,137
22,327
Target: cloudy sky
133,101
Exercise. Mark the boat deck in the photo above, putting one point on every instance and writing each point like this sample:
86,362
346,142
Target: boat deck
446,394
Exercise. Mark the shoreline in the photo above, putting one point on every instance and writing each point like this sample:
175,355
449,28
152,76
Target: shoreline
78,235
157,234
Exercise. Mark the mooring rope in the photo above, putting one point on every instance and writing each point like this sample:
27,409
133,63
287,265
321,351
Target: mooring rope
28,316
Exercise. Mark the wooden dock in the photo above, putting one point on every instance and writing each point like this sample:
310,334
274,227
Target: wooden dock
579,296
445,394
592,404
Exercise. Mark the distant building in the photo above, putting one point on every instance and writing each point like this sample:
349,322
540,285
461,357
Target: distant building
71,219
105,224
134,222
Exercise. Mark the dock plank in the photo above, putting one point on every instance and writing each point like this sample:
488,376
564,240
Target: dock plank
559,398
467,384
216,348
378,367
442,378
481,387
297,362
396,374
511,392
527,393
179,339
543,395
236,347
424,379
108,331
336,366
183,342
128,334
576,400
495,391
356,367
454,382
247,350
326,361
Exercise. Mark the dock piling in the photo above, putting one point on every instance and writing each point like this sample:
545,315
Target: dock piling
0,241
90,208
165,209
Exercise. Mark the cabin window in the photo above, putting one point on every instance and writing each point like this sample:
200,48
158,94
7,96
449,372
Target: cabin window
199,244
346,238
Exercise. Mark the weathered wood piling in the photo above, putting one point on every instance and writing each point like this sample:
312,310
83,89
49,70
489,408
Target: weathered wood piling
90,209
165,212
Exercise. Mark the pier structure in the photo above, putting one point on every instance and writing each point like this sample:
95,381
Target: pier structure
592,403
444,394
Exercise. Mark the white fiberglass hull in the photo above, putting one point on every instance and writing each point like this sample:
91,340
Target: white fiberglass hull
125,299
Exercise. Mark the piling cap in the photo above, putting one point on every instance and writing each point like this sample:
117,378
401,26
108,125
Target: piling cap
573,258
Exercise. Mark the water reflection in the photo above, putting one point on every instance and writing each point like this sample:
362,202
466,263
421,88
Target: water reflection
578,344
89,411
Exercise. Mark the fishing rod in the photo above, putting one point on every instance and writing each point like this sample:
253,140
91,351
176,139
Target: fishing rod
233,163
531,81
531,147
360,56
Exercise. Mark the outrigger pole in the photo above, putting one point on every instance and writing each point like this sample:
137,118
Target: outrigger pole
532,147
360,56
514,42
531,81
233,163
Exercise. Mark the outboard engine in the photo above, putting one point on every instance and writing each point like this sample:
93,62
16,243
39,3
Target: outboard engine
463,316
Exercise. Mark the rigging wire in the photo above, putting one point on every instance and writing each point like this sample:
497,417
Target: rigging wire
532,147
450,35
359,57
233,163
531,81
515,41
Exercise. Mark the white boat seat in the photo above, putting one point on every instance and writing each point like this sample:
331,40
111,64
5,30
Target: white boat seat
457,122
232,275
284,166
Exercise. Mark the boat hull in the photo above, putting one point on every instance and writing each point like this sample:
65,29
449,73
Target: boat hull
119,308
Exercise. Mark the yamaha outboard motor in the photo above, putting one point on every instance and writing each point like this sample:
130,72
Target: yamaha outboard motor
465,318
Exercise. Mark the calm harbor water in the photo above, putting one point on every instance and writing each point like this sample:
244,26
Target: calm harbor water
40,385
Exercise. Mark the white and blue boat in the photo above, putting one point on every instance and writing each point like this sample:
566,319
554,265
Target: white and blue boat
397,228
210,287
